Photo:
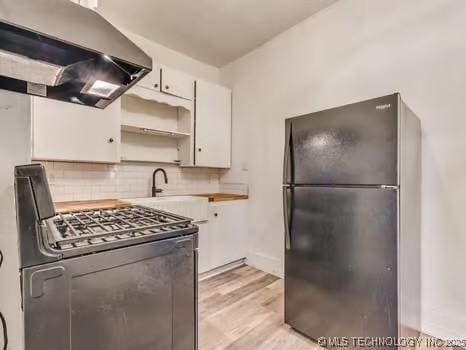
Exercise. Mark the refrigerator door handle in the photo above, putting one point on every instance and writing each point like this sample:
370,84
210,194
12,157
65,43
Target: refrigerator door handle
288,165
286,216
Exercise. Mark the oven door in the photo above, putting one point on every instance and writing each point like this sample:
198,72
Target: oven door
134,298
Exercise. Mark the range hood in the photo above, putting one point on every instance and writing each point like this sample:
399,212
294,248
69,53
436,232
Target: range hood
60,50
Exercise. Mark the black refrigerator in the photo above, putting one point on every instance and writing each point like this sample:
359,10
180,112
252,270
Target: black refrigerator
351,198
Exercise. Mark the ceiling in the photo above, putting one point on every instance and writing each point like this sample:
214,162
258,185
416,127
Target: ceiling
212,31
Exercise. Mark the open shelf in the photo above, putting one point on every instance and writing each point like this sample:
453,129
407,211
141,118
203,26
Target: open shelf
141,92
154,132
146,148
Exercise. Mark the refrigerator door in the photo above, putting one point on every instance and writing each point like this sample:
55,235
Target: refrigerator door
350,145
341,268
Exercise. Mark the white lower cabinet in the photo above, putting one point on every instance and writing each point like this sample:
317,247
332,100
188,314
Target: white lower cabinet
204,263
227,232
222,237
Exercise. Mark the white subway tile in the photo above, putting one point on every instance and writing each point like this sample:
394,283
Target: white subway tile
80,181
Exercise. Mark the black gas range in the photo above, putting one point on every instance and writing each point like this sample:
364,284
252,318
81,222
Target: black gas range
123,278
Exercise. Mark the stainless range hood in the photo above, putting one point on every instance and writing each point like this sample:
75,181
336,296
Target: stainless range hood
60,50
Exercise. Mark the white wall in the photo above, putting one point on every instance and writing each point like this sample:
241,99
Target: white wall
173,59
15,149
354,50
163,55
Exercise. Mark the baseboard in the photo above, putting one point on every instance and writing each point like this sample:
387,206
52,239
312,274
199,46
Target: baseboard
443,324
266,263
221,269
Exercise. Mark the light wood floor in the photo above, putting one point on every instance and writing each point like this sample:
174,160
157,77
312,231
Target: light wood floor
242,309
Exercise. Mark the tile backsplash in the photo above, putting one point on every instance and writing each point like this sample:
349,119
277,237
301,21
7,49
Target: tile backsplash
84,181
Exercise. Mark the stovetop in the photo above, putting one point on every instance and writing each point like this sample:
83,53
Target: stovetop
93,228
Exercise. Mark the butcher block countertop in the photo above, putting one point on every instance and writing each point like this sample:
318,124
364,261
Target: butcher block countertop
63,207
221,197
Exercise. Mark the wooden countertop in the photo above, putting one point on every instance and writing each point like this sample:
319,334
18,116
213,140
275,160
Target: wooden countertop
220,197
63,207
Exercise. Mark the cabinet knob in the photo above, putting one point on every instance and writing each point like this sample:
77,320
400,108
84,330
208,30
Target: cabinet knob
199,149
167,87
111,140
215,214
156,85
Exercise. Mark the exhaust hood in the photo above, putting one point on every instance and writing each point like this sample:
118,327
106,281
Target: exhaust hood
60,50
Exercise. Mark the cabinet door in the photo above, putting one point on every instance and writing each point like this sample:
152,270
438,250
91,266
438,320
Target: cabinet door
177,83
227,232
68,132
213,125
204,263
152,80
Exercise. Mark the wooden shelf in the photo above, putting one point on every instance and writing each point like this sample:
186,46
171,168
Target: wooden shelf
155,132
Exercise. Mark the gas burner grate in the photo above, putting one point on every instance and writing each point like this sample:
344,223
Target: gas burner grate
83,228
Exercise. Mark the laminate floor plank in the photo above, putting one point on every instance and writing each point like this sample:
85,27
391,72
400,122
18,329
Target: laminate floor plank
242,309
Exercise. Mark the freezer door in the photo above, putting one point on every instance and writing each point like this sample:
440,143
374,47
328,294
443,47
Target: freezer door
350,145
341,268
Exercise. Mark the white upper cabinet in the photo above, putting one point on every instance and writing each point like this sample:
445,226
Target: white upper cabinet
166,85
68,132
151,80
213,125
177,83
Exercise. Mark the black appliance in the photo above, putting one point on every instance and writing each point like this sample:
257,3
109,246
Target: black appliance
351,194
105,279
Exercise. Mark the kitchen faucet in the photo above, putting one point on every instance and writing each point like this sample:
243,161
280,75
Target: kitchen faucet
156,190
